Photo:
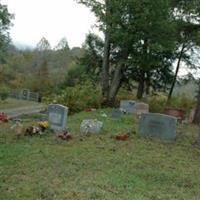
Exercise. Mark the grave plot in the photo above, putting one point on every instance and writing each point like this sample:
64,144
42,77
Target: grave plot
155,125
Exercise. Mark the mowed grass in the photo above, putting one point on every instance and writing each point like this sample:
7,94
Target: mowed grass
15,103
98,166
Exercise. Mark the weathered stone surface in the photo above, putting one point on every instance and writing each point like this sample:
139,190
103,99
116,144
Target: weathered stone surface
141,108
128,106
91,126
158,126
117,114
57,116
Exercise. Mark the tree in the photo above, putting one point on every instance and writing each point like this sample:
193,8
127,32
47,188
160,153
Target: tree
62,45
5,23
43,45
136,34
186,14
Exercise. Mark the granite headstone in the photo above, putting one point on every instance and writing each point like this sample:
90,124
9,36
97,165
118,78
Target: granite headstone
128,106
141,108
57,116
158,126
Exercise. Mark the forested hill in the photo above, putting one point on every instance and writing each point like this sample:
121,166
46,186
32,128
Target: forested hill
38,68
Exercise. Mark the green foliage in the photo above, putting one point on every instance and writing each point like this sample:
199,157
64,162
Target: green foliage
181,101
75,74
78,97
158,102
4,93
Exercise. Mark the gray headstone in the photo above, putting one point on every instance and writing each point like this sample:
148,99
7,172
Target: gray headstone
128,106
57,116
91,126
117,114
158,126
141,108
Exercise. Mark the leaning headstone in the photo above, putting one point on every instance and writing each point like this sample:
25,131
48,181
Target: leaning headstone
117,114
141,108
91,126
157,125
57,117
128,106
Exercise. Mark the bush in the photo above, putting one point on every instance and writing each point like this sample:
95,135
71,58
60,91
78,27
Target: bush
158,102
4,93
79,97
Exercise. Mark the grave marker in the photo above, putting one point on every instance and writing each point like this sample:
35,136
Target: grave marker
117,114
141,108
128,106
158,126
57,116
91,126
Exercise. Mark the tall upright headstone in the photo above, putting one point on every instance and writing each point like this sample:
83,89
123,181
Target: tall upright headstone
57,116
158,126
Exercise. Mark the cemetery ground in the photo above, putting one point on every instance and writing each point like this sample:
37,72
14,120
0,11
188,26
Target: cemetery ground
98,166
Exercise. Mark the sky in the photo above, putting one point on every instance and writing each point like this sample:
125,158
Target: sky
52,19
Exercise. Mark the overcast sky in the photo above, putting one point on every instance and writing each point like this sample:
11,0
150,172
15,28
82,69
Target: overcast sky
52,19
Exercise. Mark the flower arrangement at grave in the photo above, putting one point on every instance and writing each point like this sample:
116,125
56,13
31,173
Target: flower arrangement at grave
43,125
123,110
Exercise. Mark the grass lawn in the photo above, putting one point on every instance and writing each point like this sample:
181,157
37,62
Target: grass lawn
15,103
98,166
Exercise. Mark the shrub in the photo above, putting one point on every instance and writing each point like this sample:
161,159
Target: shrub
158,102
79,97
4,93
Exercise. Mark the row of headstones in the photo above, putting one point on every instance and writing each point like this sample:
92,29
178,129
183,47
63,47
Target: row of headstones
151,124
25,94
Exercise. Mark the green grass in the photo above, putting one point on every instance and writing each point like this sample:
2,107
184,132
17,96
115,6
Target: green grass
98,166
15,103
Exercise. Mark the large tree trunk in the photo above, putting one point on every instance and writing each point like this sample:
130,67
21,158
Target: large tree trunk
106,57
115,85
196,119
176,73
105,68
147,84
141,83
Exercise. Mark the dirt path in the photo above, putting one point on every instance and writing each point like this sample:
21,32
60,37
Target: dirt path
15,112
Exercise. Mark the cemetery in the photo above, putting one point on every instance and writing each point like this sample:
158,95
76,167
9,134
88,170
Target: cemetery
72,152
100,100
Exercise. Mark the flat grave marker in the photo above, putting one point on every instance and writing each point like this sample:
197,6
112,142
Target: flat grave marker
116,114
91,126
